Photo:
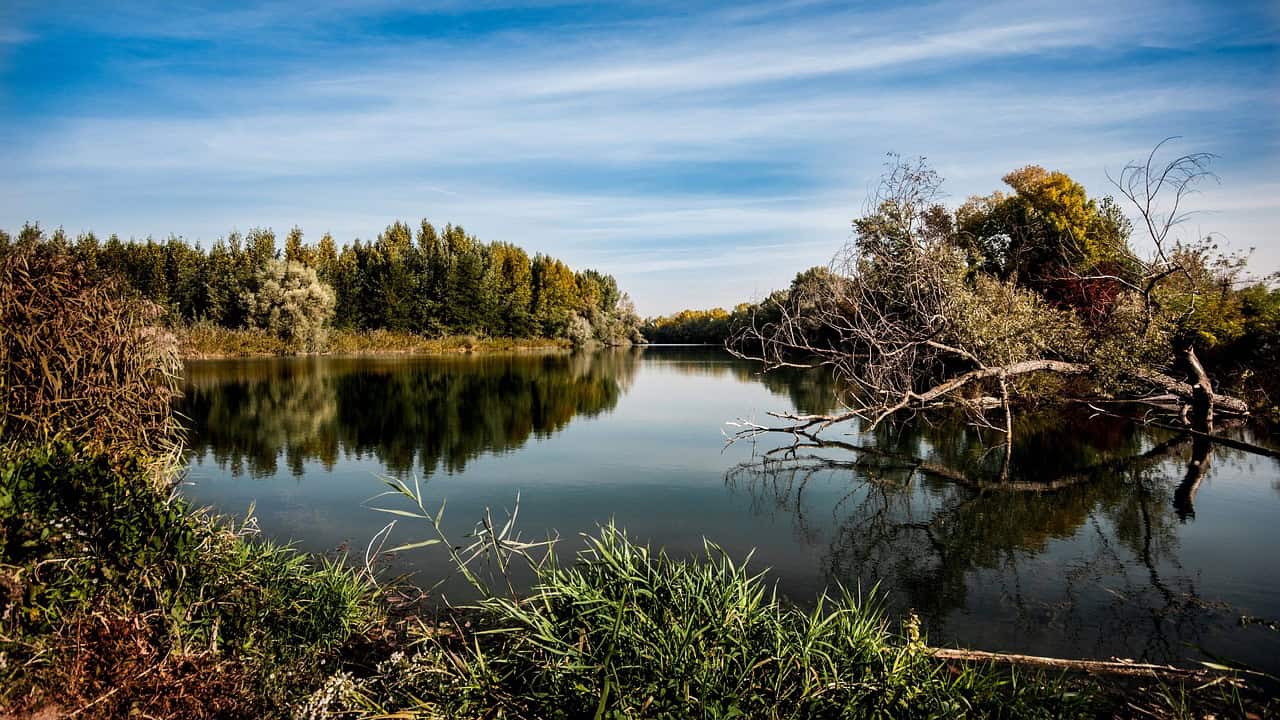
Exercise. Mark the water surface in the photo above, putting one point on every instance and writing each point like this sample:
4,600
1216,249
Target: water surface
1108,546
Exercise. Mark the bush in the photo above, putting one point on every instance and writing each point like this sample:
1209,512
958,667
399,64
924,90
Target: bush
580,332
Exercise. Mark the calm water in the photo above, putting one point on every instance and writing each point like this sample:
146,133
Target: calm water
1122,558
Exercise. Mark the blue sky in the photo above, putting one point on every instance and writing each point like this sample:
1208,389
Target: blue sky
703,153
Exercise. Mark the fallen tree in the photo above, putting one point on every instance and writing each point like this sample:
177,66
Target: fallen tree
1011,299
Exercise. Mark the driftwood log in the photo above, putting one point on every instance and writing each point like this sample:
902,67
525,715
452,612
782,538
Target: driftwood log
1126,668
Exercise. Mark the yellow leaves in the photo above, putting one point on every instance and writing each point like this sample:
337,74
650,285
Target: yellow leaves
1026,179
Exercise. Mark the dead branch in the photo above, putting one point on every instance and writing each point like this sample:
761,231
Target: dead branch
1091,667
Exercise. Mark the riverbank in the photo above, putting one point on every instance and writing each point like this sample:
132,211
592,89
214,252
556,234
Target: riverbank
207,342
121,599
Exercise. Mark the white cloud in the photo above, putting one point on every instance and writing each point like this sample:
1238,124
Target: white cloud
747,139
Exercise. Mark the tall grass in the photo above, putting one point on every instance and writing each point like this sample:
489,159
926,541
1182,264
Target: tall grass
81,360
627,631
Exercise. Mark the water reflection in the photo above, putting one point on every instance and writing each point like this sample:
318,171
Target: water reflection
1107,540
1079,550
440,412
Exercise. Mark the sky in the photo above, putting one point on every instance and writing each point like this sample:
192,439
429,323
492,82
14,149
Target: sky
703,153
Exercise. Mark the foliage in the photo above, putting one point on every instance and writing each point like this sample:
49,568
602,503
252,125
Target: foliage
1252,355
79,360
689,326
1002,324
206,340
291,303
926,306
429,282
1044,233
87,541
626,631
716,325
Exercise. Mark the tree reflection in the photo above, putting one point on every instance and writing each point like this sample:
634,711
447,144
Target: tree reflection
924,511
438,412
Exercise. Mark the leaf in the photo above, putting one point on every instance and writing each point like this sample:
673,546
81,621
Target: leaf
402,513
413,545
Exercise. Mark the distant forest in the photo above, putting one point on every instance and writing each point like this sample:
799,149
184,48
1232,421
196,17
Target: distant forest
717,325
432,282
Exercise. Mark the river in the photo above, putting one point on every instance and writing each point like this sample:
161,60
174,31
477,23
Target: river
1100,547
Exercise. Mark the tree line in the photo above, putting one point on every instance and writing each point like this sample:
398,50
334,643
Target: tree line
715,326
432,282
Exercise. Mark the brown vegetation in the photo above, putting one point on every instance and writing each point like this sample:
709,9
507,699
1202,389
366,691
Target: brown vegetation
81,361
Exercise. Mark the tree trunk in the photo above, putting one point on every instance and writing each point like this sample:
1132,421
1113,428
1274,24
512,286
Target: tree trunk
1201,393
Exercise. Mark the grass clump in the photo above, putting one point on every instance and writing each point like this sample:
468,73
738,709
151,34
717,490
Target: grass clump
118,598
628,632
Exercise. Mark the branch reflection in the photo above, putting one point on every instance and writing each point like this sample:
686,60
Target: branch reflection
1081,541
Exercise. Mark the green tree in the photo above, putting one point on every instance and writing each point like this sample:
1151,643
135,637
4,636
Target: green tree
294,249
326,258
555,293
1047,234
390,274
514,289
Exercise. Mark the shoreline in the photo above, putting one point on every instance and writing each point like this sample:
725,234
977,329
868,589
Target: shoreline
210,343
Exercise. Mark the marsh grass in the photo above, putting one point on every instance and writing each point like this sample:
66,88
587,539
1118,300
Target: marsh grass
626,631
83,361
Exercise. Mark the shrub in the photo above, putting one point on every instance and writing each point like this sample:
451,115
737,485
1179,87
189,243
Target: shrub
580,331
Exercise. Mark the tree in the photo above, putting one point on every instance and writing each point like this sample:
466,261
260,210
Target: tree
513,286
908,322
346,284
554,296
391,274
294,250
291,303
434,283
325,259
1048,235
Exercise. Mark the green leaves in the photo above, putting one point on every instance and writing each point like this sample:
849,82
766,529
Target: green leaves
627,631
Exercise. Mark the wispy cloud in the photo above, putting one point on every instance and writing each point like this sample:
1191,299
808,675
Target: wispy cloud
732,143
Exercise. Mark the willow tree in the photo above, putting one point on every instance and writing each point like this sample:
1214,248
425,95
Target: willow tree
291,303
925,308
